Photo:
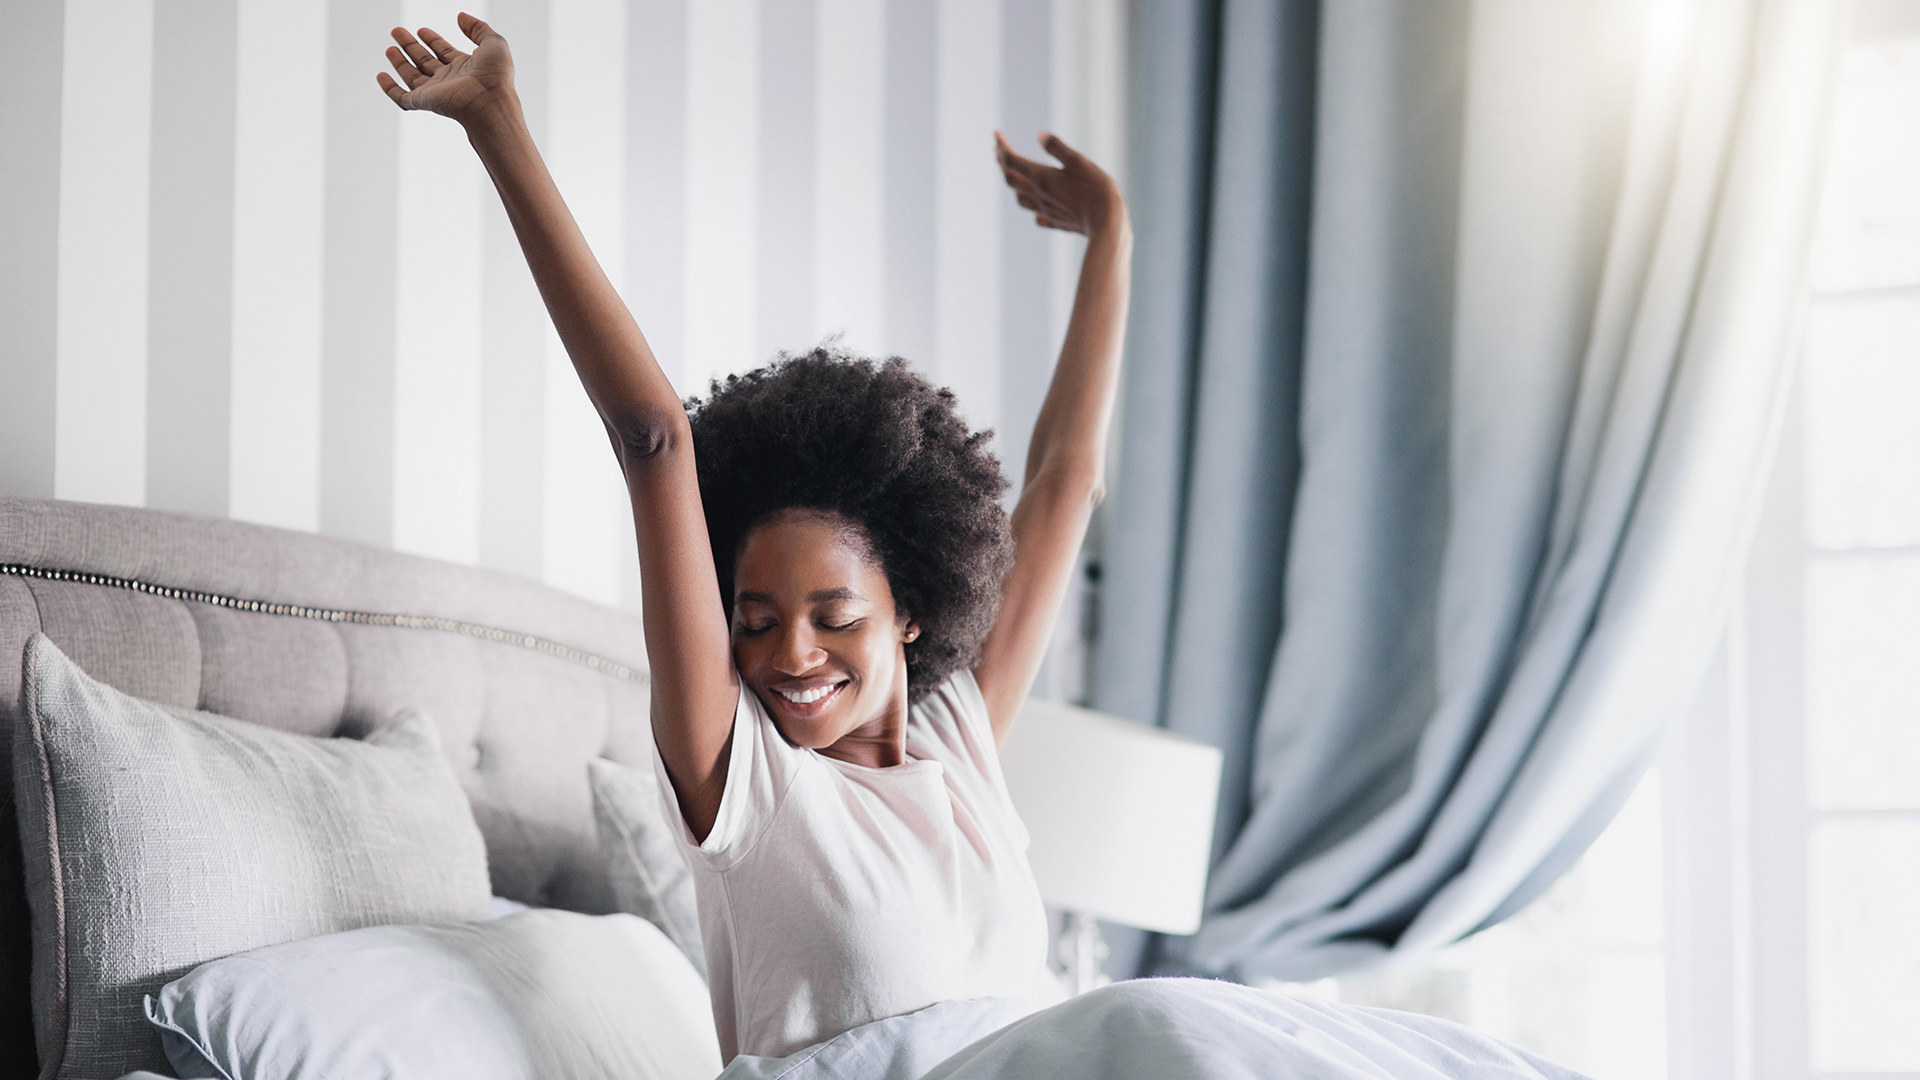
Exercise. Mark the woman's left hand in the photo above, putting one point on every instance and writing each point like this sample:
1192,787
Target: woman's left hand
1077,197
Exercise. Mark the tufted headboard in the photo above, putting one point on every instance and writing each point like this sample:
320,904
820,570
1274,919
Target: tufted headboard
327,637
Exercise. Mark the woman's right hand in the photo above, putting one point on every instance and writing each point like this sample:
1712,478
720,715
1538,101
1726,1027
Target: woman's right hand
436,77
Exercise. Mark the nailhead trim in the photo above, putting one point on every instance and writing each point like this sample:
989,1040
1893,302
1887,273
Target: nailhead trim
367,618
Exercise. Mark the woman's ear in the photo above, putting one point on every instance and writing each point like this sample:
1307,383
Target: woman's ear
911,631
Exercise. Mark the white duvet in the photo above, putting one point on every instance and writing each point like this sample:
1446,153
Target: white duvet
1156,1029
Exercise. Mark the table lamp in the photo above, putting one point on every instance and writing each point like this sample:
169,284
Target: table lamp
1121,817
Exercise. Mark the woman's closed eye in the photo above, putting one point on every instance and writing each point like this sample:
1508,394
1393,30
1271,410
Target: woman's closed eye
834,623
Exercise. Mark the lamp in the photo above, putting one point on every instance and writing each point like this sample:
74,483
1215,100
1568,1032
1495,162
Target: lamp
1121,817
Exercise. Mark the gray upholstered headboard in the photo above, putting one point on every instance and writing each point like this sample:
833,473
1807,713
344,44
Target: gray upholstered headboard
526,683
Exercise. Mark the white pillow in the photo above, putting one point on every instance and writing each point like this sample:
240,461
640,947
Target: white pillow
650,876
540,993
503,907
157,839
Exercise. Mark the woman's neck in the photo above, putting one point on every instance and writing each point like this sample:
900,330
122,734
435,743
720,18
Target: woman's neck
880,743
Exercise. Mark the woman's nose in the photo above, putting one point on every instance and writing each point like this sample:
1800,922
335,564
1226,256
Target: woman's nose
798,652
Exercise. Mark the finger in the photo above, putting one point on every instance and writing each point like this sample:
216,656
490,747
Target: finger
1038,193
1057,146
402,59
416,52
1019,183
410,76
1025,167
1049,209
442,49
1011,161
1025,186
391,89
476,30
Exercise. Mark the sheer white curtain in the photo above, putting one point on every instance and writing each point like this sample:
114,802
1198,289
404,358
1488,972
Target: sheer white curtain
1447,428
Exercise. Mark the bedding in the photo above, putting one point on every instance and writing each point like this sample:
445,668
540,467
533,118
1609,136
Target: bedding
1157,1029
156,839
538,993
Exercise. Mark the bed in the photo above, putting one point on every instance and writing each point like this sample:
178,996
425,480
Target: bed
534,698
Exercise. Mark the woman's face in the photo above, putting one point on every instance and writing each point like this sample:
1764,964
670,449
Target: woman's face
815,632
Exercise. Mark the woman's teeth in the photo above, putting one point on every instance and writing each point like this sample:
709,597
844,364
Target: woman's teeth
807,697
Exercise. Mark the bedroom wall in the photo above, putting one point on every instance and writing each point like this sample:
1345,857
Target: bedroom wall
234,280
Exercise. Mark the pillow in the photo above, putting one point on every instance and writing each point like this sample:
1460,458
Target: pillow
538,994
650,877
500,906
158,839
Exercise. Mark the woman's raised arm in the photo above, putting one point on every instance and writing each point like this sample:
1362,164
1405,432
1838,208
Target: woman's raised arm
694,686
1066,461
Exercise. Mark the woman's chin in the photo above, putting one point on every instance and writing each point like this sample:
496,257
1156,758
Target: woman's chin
813,735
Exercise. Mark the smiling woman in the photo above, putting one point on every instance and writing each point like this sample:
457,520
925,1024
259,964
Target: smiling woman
815,631
882,449
841,620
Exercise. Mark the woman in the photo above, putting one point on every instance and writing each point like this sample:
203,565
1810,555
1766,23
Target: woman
841,622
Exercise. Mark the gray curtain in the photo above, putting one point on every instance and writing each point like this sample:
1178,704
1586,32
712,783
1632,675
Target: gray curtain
1460,337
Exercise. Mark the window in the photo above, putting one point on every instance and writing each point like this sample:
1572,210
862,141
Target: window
1860,460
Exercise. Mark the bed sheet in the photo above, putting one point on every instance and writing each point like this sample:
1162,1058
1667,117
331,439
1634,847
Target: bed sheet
1157,1029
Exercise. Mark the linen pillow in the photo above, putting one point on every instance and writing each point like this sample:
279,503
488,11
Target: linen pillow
158,839
539,994
650,877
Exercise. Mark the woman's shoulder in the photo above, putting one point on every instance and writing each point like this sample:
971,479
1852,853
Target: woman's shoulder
762,769
953,715
956,699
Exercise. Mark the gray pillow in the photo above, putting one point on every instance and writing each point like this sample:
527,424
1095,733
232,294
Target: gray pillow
535,995
650,878
157,839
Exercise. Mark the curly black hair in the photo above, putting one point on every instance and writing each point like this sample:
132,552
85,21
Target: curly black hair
874,443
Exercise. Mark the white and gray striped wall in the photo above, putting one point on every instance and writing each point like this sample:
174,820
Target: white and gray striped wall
234,280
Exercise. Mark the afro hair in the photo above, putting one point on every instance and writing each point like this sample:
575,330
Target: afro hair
879,446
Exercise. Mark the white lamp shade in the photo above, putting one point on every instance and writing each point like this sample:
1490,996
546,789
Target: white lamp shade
1121,814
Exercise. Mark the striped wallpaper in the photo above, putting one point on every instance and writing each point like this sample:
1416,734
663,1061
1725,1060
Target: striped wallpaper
234,280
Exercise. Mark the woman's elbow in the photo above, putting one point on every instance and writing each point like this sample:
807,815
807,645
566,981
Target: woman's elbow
646,437
1093,489
1072,482
1085,480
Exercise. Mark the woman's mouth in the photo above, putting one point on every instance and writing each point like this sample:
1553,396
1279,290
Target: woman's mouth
809,701
807,697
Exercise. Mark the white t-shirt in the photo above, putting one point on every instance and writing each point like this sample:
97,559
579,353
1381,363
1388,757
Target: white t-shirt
832,895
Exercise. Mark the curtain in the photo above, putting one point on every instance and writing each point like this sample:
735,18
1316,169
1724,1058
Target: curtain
1461,336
